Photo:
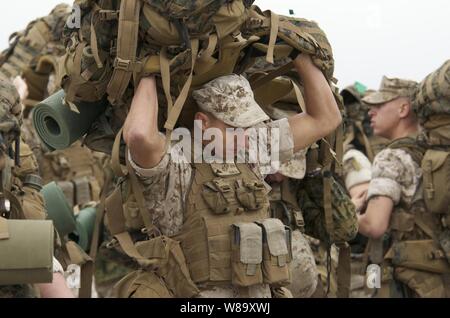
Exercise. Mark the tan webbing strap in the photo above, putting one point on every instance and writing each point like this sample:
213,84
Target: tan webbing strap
367,145
79,257
4,231
116,222
274,21
127,40
99,218
75,73
274,74
339,146
299,96
94,42
424,227
343,271
329,224
139,195
172,117
206,61
115,156
165,77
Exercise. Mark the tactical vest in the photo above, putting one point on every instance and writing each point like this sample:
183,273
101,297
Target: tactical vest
416,250
220,238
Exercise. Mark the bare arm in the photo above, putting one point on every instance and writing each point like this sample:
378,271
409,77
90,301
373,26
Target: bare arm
322,115
374,223
140,131
57,289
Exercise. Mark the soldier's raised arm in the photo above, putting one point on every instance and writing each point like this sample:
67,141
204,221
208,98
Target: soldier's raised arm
141,134
322,115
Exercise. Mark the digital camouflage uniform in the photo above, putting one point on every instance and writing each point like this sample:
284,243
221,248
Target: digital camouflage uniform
166,186
396,174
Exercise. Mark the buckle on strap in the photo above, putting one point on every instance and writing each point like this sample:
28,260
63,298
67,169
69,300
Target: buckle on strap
108,15
127,65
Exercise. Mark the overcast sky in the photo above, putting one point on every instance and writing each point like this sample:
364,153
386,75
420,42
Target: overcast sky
370,38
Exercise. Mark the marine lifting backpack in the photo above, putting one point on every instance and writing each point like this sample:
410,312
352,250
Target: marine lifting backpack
185,44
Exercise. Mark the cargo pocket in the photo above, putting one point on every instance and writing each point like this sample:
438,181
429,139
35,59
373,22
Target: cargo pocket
436,176
246,256
141,284
277,252
423,255
251,195
33,204
219,196
166,258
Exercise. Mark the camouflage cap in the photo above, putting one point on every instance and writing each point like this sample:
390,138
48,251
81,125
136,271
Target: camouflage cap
10,109
231,100
390,89
353,93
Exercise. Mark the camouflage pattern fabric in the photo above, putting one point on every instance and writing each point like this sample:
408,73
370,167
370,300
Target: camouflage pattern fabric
39,36
10,111
310,200
395,175
390,89
433,95
230,99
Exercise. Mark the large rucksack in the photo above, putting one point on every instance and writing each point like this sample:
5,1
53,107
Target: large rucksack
41,34
184,44
432,105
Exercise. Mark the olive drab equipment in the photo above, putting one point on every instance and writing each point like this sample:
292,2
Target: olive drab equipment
26,45
118,44
25,260
420,232
431,102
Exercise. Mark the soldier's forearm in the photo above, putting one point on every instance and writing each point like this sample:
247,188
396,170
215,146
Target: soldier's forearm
320,102
374,223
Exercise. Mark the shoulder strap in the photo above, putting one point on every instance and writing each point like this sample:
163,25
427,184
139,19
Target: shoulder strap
125,63
410,145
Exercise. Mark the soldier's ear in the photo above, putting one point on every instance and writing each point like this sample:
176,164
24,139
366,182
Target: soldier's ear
204,119
405,108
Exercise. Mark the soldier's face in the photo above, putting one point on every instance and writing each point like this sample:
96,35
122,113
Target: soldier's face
384,118
232,138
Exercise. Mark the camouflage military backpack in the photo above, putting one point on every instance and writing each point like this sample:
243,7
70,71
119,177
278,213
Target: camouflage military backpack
30,43
432,105
119,42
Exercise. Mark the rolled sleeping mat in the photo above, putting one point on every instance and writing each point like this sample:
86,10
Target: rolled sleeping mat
26,251
58,209
85,222
58,126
